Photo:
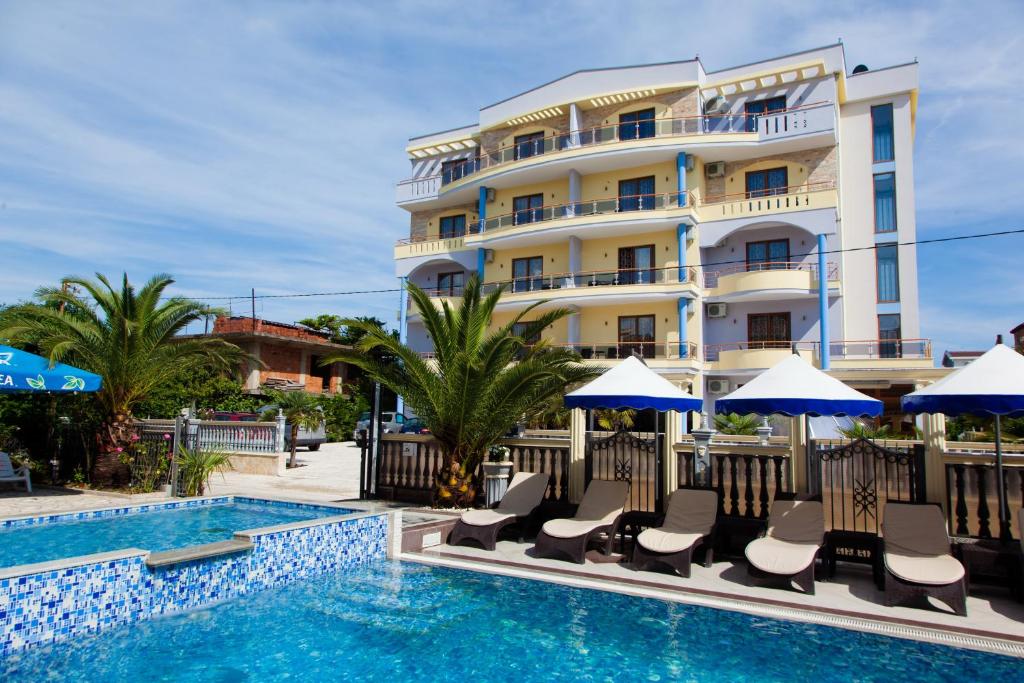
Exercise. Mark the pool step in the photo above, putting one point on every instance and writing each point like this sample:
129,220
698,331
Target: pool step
198,552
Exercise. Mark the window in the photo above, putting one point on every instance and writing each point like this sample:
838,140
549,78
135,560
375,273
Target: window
768,255
455,169
769,331
769,182
636,125
889,334
527,273
528,208
450,284
636,194
636,335
453,226
636,265
758,107
887,268
521,328
529,145
881,133
885,202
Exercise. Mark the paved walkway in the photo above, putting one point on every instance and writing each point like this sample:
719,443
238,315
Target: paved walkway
330,474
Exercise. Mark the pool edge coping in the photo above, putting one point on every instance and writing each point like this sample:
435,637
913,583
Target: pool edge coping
1008,645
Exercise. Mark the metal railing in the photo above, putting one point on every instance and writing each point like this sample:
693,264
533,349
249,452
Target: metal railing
859,349
712,277
615,350
586,207
768,124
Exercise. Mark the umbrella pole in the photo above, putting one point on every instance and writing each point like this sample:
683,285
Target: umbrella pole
1004,521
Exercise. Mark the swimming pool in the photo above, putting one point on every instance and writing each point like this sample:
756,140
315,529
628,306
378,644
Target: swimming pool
391,621
152,527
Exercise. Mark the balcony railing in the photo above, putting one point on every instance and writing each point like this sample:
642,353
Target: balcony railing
791,198
586,207
616,350
712,277
773,124
841,349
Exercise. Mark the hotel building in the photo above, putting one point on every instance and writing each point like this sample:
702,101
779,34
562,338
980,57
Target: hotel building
709,221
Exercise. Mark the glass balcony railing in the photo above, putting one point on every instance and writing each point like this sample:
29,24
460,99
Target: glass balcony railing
800,119
914,349
624,349
586,207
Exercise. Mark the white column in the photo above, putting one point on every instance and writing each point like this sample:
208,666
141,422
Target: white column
575,191
575,124
574,328
575,254
577,450
673,430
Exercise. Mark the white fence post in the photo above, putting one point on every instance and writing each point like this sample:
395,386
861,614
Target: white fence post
279,440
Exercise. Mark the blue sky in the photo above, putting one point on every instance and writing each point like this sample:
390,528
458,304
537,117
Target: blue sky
252,144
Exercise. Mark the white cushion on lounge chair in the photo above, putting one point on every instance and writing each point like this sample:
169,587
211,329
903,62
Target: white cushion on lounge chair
485,517
917,545
602,503
690,516
796,529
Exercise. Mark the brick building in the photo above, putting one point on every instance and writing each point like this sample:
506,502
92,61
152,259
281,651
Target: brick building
285,356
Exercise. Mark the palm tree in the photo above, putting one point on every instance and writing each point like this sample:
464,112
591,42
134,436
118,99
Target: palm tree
862,430
737,425
301,411
614,420
127,336
478,384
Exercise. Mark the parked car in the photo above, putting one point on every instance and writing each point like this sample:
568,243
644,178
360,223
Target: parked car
415,425
310,438
392,423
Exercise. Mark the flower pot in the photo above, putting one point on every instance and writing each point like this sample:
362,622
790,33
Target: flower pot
496,476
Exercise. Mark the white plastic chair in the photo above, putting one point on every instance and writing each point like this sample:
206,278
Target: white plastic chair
9,473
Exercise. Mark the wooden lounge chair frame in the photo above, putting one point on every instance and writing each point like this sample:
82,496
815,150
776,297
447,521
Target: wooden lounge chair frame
804,579
574,548
487,535
899,591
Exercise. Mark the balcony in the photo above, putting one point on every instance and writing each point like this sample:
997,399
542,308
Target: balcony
805,197
844,354
426,246
614,351
767,281
599,287
813,124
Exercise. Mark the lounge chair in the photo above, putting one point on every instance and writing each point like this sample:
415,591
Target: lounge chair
918,558
524,495
689,524
9,473
789,547
598,513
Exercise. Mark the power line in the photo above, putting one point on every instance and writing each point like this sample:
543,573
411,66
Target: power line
934,240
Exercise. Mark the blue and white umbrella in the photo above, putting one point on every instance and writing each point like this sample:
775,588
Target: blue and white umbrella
24,371
795,387
991,385
631,384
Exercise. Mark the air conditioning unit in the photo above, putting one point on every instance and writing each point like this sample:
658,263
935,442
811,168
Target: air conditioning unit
717,310
718,386
714,169
490,195
488,256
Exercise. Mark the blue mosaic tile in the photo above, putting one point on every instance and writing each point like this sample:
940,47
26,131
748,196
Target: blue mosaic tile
54,605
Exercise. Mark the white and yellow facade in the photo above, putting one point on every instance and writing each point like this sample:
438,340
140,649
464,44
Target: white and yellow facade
708,220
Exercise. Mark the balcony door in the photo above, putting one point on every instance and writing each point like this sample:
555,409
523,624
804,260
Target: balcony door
759,107
636,194
636,335
636,125
453,226
767,255
636,265
450,284
528,208
769,331
527,273
889,333
766,183
529,145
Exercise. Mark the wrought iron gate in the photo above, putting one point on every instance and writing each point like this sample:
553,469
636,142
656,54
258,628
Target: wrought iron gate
625,456
857,479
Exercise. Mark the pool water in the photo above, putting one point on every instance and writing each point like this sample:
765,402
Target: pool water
153,530
395,622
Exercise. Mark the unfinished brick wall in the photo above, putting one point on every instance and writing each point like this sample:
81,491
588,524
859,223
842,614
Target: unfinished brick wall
238,324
